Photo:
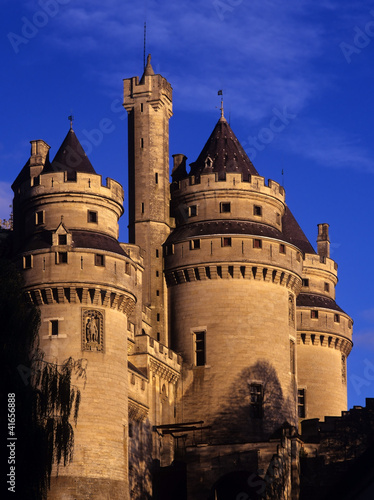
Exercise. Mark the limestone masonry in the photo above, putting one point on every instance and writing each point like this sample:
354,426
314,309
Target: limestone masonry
208,337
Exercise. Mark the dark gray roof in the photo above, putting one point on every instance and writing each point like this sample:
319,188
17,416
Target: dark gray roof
293,233
70,157
211,228
318,301
226,155
81,239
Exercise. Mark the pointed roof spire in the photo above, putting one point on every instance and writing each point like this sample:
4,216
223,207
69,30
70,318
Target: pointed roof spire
148,70
71,157
223,153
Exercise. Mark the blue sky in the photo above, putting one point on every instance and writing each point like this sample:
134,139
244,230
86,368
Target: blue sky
310,62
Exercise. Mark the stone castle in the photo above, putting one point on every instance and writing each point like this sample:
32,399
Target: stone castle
208,337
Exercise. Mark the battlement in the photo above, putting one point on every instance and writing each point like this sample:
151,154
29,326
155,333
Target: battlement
62,182
150,354
210,182
314,263
155,89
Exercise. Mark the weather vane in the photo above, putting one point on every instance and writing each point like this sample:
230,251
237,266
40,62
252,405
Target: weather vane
220,92
71,118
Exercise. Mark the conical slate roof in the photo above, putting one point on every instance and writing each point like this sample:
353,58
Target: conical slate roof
70,157
223,153
293,233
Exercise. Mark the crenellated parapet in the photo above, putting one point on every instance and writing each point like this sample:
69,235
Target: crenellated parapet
82,183
208,197
156,90
150,355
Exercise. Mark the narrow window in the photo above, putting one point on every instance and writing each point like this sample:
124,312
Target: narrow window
169,249
158,316
200,348
36,180
336,318
344,370
27,262
39,218
157,274
92,216
53,327
62,239
256,400
282,248
314,314
127,268
226,242
257,243
142,143
192,211
130,430
99,259
305,282
257,210
194,244
292,357
158,337
142,208
158,293
326,287
225,207
156,177
61,258
278,218
141,107
301,403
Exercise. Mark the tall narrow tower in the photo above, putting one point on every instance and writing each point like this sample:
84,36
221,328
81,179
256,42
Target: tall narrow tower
149,106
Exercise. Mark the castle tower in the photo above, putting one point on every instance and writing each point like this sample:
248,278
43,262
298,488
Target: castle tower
84,284
149,106
233,278
324,336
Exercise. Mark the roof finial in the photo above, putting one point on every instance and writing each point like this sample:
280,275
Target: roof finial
220,92
71,118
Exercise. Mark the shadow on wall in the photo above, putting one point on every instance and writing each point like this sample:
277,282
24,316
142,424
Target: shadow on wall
255,407
140,459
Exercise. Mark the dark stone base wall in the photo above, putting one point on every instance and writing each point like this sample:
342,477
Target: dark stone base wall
83,488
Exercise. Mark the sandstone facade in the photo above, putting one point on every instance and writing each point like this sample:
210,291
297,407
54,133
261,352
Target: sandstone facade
207,337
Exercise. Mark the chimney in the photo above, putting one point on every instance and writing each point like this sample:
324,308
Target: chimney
179,167
39,153
323,242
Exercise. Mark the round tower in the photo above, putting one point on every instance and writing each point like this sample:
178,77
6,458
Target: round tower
76,272
233,278
324,336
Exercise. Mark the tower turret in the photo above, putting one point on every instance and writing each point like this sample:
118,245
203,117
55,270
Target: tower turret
324,336
149,106
84,283
233,278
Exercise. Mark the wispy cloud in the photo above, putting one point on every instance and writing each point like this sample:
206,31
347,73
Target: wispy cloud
330,147
364,339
